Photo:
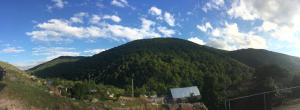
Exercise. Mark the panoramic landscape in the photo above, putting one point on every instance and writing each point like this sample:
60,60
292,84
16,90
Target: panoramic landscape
149,55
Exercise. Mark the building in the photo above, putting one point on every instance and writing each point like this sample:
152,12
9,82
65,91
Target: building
184,93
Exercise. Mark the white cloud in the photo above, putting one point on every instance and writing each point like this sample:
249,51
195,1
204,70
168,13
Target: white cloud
57,4
229,37
277,11
239,9
78,18
155,11
12,50
120,3
280,18
123,32
47,54
196,40
169,18
204,28
65,30
95,19
166,32
285,33
25,65
147,24
57,29
54,52
268,26
213,4
113,18
93,51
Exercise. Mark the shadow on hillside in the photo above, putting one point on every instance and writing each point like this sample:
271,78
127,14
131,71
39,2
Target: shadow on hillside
2,86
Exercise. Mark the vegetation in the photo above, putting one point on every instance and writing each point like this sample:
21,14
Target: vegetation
17,86
22,91
156,65
258,57
59,60
2,73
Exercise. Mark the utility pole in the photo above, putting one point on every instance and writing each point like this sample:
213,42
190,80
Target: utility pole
132,88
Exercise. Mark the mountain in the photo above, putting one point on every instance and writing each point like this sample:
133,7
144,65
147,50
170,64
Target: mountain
258,57
167,61
156,65
56,61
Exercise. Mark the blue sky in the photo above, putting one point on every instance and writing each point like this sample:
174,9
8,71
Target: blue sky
35,31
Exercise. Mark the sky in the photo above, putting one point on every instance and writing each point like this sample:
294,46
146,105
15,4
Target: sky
35,31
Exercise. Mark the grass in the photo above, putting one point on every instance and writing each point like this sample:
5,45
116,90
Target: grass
20,87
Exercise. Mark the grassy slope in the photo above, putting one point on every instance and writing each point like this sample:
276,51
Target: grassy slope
19,87
19,90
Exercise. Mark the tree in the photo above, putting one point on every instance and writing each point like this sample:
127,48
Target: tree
271,77
213,95
82,90
2,73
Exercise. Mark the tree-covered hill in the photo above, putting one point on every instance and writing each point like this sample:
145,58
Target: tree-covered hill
166,61
156,65
258,57
56,61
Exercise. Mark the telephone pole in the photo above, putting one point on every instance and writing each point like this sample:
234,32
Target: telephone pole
132,88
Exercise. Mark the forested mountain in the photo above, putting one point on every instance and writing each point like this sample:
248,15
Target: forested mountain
54,62
259,57
156,65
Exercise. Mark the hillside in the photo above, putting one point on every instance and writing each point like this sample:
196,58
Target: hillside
156,65
19,92
56,61
169,60
258,57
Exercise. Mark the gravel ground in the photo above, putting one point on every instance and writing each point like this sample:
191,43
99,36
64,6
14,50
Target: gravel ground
288,107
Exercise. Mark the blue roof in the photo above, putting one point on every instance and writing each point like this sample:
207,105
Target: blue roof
185,92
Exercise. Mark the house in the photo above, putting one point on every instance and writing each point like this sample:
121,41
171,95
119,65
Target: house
185,93
2,73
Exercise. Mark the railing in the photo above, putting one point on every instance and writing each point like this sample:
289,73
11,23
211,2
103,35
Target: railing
264,100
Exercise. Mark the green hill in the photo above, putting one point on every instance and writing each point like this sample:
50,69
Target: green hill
56,61
166,61
258,57
18,91
156,65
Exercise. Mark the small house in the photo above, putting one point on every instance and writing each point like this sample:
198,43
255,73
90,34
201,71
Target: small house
185,93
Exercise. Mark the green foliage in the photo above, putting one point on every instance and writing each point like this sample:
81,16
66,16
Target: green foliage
83,90
45,66
87,90
271,77
258,57
2,73
213,94
18,86
156,65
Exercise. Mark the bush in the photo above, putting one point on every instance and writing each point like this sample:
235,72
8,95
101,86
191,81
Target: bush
2,73
83,90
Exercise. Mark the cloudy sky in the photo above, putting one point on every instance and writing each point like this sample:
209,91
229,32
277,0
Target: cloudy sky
35,31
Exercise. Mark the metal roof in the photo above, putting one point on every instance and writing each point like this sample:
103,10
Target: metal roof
185,92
